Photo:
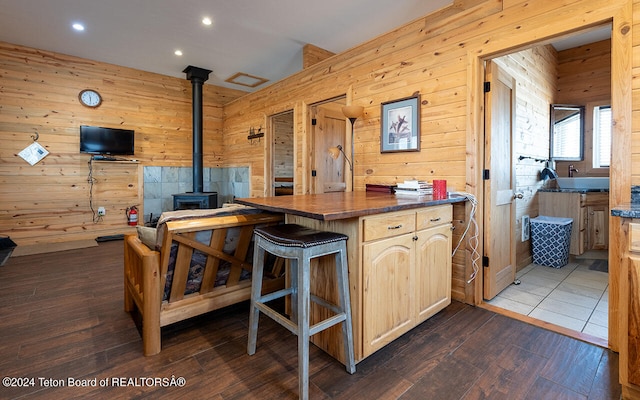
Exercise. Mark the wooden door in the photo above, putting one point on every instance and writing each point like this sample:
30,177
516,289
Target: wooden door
329,129
499,208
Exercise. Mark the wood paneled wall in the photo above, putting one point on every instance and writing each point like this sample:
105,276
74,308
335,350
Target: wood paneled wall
411,59
634,162
584,78
584,73
432,56
49,202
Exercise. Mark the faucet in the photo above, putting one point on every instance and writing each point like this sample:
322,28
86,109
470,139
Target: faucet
572,170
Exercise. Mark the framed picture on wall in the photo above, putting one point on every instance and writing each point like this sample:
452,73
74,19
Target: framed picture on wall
400,126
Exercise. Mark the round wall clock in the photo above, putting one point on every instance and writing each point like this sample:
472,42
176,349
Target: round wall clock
90,98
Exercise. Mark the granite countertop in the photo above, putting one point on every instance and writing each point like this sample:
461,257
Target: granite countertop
342,205
629,210
624,210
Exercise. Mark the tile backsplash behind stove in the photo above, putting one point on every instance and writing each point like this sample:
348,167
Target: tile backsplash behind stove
160,183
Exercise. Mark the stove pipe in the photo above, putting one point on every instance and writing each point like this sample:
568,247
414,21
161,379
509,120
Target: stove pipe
197,76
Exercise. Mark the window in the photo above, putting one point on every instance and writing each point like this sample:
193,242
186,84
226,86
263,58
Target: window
567,132
601,136
566,142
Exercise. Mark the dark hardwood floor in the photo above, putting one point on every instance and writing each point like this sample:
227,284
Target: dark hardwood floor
61,317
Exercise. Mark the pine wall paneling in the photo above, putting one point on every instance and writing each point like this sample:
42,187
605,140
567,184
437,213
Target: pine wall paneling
428,56
49,202
584,78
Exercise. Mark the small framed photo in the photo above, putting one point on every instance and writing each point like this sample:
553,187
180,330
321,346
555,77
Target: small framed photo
400,126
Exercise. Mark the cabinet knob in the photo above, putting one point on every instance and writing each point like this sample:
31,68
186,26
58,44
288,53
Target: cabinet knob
415,238
394,227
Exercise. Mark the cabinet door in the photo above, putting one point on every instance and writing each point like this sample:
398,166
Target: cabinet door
598,227
388,281
433,271
630,356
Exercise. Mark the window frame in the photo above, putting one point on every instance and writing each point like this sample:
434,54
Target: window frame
595,140
588,167
581,139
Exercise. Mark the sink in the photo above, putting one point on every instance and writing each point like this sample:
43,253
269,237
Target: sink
583,183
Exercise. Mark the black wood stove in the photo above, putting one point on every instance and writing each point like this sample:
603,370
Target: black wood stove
198,198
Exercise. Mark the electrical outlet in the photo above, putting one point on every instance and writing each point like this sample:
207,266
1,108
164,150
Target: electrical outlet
101,212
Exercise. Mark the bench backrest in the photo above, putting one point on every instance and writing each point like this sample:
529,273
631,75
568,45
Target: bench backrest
201,253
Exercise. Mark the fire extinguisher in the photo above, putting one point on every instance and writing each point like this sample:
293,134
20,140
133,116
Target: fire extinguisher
132,215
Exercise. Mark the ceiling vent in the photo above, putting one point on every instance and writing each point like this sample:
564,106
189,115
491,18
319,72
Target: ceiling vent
243,79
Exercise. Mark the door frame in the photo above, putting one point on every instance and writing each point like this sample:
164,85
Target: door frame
620,171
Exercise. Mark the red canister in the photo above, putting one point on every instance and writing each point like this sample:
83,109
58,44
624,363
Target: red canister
439,189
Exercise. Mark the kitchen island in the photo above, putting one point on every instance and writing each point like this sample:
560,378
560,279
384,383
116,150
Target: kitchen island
399,255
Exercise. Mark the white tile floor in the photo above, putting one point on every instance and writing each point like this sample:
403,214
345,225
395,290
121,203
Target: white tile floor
573,296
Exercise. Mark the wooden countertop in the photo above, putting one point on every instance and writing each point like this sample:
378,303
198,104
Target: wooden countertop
343,205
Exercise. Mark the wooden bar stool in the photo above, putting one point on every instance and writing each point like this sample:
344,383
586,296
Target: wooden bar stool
300,244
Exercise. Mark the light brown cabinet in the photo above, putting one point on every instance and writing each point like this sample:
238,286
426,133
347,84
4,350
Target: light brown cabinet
399,274
406,264
597,205
590,214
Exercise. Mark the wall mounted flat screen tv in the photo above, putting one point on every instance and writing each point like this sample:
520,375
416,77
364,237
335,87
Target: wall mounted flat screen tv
98,140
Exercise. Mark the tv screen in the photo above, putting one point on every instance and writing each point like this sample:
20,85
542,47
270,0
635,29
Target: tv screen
98,140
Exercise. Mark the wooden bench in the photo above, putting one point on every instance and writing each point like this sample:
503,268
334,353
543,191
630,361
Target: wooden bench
200,265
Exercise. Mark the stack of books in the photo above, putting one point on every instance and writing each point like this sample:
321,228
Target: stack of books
376,187
414,188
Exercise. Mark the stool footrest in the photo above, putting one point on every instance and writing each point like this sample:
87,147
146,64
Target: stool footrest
293,327
275,295
276,316
327,323
326,304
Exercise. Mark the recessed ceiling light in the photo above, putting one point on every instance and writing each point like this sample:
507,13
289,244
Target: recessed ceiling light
207,21
78,26
178,52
